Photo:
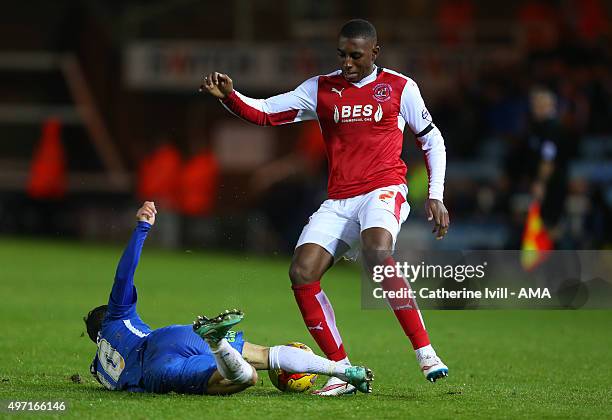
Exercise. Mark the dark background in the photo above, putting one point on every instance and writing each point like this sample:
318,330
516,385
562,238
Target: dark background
476,63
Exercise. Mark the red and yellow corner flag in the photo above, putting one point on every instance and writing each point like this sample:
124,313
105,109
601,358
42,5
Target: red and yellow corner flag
536,241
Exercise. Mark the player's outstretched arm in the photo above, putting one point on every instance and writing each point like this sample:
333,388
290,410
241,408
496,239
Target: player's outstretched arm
123,287
298,105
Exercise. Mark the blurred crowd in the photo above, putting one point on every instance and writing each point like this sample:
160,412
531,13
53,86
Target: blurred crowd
535,129
557,96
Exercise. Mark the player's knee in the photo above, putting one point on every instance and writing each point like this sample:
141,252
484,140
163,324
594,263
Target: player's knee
300,273
375,252
377,243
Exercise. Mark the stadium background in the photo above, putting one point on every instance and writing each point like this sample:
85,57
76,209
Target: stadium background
99,110
122,77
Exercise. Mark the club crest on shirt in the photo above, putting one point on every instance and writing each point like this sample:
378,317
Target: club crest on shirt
382,92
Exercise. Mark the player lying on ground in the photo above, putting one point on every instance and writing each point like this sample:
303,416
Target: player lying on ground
362,110
203,358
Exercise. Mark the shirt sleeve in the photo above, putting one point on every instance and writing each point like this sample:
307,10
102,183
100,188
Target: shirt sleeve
123,294
416,115
298,105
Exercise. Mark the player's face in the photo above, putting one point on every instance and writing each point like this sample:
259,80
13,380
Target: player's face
357,57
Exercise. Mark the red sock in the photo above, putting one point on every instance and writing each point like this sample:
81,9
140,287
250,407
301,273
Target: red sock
406,310
319,318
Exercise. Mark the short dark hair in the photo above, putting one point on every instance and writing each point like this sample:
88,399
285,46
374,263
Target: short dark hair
358,28
93,321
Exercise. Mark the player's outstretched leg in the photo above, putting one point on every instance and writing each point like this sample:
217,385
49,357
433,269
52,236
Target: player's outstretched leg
230,363
292,359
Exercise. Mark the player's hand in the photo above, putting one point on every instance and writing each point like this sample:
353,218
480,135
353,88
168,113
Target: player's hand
436,211
147,213
218,85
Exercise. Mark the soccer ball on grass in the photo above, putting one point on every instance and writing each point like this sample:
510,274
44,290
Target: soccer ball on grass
293,382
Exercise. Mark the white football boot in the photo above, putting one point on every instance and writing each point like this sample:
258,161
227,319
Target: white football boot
335,387
432,367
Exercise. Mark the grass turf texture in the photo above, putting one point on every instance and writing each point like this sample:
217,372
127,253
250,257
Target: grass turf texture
532,364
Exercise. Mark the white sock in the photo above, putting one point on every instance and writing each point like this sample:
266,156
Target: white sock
425,352
230,364
295,360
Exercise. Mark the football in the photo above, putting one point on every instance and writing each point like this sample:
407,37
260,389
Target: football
293,382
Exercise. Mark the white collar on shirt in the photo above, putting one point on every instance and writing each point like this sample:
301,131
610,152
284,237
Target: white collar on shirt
369,78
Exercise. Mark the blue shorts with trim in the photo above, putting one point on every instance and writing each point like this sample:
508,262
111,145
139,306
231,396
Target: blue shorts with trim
176,359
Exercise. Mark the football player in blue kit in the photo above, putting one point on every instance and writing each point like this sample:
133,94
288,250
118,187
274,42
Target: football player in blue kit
203,358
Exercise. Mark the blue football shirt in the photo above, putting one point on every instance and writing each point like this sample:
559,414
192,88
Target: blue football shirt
118,361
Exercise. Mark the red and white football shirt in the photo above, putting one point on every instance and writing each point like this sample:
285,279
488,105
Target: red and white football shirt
362,125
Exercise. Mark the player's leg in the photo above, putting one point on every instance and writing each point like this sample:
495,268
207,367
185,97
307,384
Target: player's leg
310,262
377,244
327,237
295,360
381,218
236,371
230,363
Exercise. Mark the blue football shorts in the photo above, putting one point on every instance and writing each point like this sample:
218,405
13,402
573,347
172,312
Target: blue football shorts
176,359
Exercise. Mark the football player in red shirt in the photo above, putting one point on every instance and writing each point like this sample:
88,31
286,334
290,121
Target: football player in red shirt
362,110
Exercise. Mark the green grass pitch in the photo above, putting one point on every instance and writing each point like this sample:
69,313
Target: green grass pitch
529,364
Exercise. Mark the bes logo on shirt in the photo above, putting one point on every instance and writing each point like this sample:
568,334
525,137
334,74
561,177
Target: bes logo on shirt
357,113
